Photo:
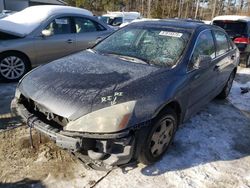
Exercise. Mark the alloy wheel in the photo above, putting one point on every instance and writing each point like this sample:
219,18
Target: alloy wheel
161,138
12,67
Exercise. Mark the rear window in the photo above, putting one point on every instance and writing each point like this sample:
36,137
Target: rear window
233,28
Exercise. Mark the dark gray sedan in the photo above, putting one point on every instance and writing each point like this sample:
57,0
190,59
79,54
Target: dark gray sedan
124,99
40,34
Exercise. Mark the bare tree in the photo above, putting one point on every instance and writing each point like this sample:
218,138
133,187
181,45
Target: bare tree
163,8
214,9
197,9
168,8
187,9
149,9
202,9
142,7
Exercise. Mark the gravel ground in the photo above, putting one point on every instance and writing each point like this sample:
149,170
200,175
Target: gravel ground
210,150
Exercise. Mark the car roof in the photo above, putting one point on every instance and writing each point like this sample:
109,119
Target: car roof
175,23
125,14
184,20
45,11
24,22
232,18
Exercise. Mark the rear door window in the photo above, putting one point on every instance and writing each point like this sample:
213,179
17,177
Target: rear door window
231,44
60,26
222,42
85,25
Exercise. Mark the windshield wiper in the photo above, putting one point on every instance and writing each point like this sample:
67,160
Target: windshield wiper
92,50
130,58
133,59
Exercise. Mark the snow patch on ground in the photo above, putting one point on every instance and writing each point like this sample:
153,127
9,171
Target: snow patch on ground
206,152
241,101
243,71
7,92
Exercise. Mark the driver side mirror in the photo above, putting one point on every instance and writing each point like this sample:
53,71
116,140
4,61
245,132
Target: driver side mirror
47,33
202,62
117,24
98,40
94,43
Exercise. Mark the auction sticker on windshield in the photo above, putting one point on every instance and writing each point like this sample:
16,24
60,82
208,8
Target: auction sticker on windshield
170,34
61,21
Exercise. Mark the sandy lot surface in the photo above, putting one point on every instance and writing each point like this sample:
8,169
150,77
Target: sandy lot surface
210,150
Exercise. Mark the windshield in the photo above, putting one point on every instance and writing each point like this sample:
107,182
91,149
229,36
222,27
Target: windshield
114,21
233,28
155,46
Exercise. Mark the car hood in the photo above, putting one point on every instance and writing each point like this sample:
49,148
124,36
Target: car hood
84,82
10,28
8,36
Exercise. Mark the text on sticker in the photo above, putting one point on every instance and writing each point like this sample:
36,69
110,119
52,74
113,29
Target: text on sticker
61,21
170,34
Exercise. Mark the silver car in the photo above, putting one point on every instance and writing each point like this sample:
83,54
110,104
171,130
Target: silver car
6,13
40,34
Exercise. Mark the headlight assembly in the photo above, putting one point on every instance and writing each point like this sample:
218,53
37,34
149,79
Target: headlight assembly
106,120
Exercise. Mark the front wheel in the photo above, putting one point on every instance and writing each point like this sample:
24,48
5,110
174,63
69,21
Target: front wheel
13,66
159,138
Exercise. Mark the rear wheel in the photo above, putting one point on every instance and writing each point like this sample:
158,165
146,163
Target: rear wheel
159,138
226,90
248,61
13,66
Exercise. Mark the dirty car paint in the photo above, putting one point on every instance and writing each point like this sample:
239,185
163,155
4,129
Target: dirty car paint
77,85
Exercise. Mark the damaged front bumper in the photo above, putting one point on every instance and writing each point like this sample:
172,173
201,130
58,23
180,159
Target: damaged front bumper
103,149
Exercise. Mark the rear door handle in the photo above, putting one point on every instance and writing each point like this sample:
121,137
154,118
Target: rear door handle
69,41
233,57
216,67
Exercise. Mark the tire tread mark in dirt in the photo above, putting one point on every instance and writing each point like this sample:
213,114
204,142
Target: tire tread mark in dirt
98,181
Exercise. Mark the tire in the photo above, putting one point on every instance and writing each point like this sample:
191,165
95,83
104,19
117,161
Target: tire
226,90
13,66
248,61
159,139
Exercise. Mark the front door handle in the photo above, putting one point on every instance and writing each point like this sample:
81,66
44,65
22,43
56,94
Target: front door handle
69,41
233,57
197,76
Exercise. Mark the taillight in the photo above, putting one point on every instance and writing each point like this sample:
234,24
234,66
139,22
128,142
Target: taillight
242,40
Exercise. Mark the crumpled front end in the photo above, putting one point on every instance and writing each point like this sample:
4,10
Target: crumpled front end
101,149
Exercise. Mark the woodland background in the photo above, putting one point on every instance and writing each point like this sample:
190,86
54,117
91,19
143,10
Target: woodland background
196,9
